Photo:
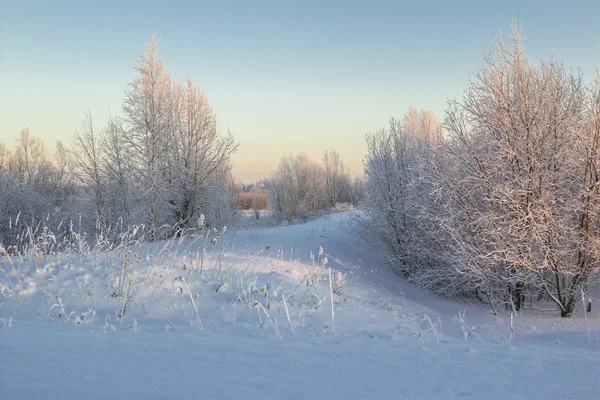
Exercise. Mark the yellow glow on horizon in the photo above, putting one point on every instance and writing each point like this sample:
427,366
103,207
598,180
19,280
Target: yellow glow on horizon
253,163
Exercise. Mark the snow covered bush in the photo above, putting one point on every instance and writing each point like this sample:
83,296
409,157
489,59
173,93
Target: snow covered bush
524,190
504,205
400,197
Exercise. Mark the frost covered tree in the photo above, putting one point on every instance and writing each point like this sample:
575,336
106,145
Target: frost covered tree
31,165
397,193
198,155
89,163
4,156
301,187
173,148
524,191
284,189
147,124
334,176
29,161
36,190
119,177
504,206
217,199
159,165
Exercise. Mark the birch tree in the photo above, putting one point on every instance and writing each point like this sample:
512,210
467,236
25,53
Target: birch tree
147,124
198,155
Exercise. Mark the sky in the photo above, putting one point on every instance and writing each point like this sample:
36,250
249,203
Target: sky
284,77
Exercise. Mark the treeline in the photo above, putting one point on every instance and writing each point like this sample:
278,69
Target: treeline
500,203
301,187
36,191
160,164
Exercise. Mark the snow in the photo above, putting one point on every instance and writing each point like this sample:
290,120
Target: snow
391,341
63,362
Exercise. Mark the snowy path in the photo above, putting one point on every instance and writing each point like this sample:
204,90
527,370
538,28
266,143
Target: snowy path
382,347
373,281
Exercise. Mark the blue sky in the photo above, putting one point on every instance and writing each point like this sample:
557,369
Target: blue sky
283,76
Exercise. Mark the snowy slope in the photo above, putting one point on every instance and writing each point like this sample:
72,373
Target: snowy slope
223,332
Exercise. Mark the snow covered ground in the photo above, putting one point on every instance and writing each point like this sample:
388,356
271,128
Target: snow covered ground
217,326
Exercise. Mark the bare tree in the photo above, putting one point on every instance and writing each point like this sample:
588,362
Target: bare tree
118,170
29,156
4,156
334,173
259,201
33,187
301,187
59,182
89,168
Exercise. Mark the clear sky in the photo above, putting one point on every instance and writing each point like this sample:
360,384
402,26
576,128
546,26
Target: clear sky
285,77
